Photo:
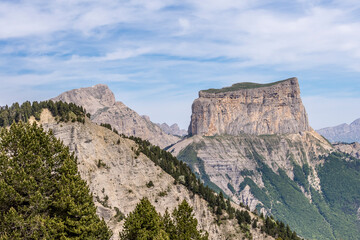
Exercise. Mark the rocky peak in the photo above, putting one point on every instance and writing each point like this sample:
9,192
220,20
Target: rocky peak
93,98
100,102
174,129
251,108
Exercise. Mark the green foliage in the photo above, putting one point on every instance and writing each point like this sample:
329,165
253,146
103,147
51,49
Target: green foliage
64,111
41,193
287,203
300,175
179,171
101,164
106,125
243,85
145,223
185,224
150,184
340,184
119,216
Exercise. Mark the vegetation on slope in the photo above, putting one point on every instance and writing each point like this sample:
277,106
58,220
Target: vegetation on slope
62,111
243,85
41,193
182,173
340,201
145,223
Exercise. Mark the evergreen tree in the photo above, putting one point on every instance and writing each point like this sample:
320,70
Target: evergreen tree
41,193
186,223
143,223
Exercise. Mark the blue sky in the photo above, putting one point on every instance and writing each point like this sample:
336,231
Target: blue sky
156,55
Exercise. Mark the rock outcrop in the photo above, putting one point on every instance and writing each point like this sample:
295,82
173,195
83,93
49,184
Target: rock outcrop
120,180
342,133
350,148
100,102
250,108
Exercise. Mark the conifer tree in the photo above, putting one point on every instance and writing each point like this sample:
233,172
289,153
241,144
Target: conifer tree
143,223
41,193
186,223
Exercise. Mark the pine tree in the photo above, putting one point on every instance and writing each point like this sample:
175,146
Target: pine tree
186,223
41,193
143,223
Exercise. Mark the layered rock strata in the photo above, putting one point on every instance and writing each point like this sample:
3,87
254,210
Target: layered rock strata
121,179
100,102
250,108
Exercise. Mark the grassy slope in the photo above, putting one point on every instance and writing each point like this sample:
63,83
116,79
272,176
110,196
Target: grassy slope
243,85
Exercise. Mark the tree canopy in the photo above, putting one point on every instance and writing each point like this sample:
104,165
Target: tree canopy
41,193
145,223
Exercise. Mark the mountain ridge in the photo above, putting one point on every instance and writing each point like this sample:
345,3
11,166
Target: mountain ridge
343,132
100,102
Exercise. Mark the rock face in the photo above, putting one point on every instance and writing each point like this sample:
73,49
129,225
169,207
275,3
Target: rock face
254,143
100,102
342,133
350,148
173,129
122,178
250,108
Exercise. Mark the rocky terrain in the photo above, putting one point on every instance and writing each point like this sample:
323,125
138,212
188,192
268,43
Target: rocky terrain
350,148
253,142
342,133
121,177
252,109
100,102
174,129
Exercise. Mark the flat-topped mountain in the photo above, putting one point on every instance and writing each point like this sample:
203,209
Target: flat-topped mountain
253,142
251,108
100,102
342,133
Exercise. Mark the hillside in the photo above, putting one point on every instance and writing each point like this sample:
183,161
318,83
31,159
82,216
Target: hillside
118,178
255,145
100,102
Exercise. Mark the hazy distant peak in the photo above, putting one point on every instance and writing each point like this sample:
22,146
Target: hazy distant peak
174,129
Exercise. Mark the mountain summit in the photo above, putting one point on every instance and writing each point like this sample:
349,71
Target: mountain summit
251,108
342,133
100,102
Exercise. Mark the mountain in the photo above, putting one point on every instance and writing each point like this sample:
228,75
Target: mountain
100,102
173,129
342,133
254,143
250,108
119,177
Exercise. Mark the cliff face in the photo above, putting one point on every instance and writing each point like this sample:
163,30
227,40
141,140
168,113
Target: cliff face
123,176
254,142
100,102
250,108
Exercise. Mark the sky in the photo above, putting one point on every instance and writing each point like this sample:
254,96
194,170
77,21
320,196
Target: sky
156,55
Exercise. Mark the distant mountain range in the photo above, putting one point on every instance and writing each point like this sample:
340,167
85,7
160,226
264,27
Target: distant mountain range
342,133
173,129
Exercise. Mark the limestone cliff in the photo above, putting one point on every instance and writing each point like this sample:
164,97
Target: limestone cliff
253,141
120,180
100,102
250,108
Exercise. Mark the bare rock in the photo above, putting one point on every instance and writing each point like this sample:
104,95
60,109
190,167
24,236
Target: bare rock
250,108
100,102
